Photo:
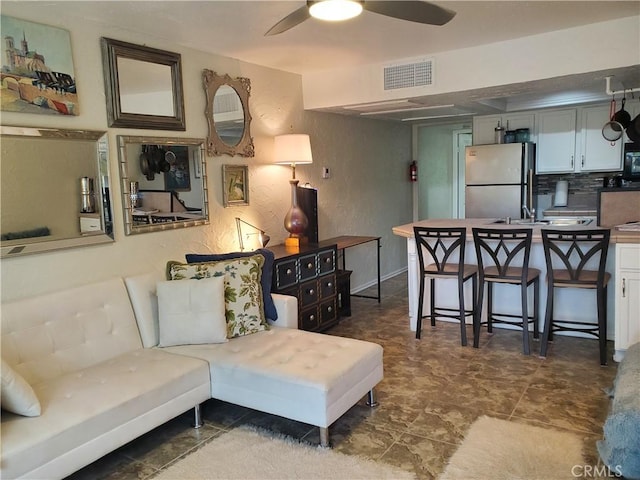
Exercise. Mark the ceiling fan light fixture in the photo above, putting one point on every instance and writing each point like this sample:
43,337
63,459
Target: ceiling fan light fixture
335,10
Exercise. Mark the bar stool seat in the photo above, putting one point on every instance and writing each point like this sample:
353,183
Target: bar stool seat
441,246
503,257
575,250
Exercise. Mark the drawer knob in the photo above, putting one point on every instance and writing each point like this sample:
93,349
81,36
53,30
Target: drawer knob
311,291
329,284
327,260
289,271
312,317
330,309
309,265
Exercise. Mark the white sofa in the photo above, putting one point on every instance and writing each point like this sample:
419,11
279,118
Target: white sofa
90,355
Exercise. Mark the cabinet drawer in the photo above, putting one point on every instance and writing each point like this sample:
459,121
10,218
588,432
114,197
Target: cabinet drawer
308,293
309,319
327,286
328,312
286,274
629,257
327,260
308,267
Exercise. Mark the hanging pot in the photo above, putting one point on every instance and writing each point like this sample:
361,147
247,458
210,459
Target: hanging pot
622,116
613,130
633,130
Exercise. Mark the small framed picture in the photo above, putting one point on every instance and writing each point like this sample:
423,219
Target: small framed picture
235,182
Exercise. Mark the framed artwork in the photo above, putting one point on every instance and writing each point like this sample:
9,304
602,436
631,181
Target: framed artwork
177,175
37,69
235,182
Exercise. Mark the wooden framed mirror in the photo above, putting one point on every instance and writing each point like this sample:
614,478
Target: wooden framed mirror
228,115
143,86
54,189
164,183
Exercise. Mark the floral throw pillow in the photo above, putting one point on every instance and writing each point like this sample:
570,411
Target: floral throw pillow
244,307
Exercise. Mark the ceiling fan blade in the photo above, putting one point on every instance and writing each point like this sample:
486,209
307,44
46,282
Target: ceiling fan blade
296,17
413,11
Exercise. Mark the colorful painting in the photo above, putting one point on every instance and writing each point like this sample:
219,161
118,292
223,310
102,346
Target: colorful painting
37,69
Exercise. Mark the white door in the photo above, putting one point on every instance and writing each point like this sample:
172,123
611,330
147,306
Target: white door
461,140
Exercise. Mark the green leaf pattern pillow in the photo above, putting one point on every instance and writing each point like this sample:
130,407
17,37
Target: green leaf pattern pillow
244,308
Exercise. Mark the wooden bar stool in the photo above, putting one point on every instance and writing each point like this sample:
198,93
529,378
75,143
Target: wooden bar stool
507,261
571,251
443,245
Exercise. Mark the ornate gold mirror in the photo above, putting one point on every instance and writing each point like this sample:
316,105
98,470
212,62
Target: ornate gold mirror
228,115
164,183
54,189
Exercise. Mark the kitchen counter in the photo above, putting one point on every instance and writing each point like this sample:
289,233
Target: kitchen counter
578,304
407,229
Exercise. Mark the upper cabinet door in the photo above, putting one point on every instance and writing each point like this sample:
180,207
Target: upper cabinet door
598,154
484,129
556,146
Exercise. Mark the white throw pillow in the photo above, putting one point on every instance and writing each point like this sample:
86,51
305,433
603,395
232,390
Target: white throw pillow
17,395
191,312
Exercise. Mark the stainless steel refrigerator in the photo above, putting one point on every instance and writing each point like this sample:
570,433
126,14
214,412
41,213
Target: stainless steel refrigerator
498,180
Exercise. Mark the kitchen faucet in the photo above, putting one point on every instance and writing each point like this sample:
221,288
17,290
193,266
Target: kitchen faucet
529,213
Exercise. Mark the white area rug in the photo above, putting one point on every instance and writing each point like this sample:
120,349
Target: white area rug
501,450
246,454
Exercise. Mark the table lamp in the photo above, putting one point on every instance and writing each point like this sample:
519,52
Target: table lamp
294,149
263,238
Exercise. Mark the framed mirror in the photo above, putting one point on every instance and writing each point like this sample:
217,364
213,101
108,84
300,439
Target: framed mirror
228,115
164,183
143,86
54,189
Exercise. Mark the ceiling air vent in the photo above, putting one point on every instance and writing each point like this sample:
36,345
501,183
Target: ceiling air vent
416,74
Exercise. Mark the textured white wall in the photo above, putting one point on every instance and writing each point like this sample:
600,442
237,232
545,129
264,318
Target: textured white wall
367,194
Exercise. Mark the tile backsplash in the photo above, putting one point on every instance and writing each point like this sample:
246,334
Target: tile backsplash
578,182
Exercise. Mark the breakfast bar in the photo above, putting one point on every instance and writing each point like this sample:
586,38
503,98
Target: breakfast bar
577,304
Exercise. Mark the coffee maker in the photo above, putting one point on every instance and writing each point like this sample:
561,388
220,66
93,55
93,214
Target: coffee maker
87,195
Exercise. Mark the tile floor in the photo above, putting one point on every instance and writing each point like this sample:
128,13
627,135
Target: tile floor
432,392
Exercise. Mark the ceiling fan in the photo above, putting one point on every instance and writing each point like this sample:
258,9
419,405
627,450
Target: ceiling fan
337,10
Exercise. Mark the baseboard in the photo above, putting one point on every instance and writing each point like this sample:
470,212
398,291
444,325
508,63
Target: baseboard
364,286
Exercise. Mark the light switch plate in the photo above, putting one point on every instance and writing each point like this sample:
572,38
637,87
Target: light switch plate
326,173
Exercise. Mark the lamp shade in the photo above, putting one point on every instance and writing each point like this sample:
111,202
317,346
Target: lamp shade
293,149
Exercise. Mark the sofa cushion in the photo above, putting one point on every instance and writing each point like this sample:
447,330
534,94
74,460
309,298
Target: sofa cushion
244,308
309,377
53,334
81,406
267,273
191,312
16,395
144,300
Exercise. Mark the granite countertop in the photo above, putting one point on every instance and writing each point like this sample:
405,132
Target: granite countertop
407,229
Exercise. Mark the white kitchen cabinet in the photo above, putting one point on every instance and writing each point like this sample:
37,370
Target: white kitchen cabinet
571,141
556,146
596,153
484,126
627,298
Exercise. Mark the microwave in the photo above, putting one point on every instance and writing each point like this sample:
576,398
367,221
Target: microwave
631,162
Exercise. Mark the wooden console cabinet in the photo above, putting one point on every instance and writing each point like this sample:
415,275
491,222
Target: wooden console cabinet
309,274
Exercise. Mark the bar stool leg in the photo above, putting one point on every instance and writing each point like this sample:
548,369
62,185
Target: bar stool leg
525,318
463,326
490,307
477,315
546,333
420,306
536,313
432,300
602,323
